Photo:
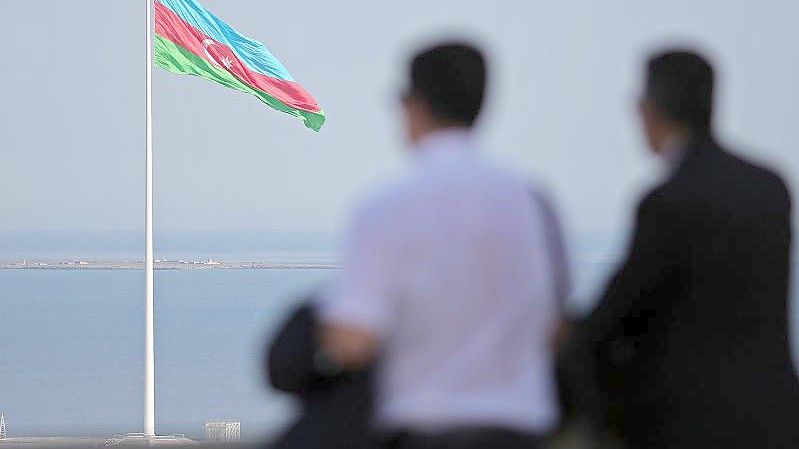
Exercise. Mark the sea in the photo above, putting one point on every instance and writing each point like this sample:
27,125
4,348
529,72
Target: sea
71,341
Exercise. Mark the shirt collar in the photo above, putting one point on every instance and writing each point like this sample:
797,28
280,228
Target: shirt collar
673,152
445,142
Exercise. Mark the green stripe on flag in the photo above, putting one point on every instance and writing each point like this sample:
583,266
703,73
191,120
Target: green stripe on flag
176,59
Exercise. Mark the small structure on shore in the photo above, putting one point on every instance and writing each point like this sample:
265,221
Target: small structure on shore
223,430
140,439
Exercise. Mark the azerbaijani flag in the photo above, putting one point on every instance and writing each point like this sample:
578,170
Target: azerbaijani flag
189,40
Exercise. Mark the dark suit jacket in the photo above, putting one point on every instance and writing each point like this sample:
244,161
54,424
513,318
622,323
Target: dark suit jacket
691,336
336,409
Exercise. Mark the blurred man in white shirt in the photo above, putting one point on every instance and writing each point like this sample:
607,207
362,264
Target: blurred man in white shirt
452,280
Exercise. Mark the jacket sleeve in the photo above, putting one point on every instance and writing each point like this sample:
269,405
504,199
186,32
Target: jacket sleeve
652,257
290,356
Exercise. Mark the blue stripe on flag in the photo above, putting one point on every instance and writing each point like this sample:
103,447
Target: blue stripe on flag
251,52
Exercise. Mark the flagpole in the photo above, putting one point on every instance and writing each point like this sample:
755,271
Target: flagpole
149,343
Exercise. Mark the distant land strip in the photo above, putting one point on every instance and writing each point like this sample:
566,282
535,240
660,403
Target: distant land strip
164,265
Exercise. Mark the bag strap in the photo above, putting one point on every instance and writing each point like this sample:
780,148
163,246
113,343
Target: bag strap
556,248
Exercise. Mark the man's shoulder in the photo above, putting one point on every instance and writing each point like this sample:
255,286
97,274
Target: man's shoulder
717,177
512,179
760,173
722,168
413,186
385,200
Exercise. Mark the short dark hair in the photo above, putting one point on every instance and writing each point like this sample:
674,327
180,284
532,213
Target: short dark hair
451,79
680,84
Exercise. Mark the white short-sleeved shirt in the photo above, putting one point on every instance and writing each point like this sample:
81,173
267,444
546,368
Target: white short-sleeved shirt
450,268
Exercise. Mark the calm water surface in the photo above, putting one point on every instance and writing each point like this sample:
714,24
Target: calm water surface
71,347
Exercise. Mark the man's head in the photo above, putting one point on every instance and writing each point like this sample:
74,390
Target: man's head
447,84
678,98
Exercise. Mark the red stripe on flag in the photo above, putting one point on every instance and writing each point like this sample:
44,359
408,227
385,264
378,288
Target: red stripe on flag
170,26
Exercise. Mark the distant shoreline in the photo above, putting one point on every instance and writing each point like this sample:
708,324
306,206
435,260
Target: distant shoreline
163,265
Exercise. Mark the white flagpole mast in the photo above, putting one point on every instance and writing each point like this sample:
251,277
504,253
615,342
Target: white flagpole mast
149,343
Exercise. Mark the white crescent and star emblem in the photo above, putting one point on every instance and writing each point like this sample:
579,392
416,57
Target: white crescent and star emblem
226,61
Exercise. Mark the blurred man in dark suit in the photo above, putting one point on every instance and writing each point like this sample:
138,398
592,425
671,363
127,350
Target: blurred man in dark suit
693,329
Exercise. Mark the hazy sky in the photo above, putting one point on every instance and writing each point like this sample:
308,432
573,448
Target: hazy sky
565,78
